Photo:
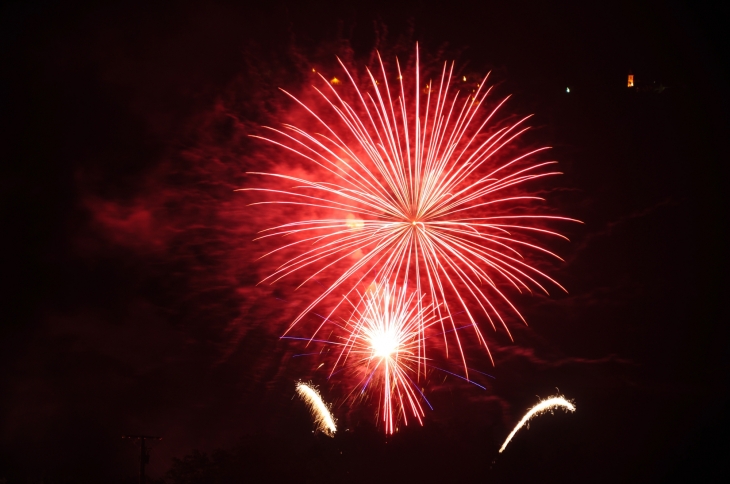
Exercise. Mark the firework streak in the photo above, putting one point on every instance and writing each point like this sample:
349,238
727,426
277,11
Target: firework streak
544,406
321,414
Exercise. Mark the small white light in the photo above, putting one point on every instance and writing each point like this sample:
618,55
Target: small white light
567,89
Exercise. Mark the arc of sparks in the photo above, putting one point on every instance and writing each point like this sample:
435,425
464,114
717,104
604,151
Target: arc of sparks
320,412
542,407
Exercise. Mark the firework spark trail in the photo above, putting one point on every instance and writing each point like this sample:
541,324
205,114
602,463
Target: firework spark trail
544,406
422,192
322,416
384,342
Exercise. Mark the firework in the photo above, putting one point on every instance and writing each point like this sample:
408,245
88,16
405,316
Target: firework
412,185
548,404
385,345
321,414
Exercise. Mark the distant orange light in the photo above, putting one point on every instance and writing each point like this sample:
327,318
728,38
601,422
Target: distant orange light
334,81
631,80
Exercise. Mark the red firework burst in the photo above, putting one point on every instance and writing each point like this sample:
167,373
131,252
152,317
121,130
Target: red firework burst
413,186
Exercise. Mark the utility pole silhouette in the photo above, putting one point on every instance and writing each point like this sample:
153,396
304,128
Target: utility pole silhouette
144,455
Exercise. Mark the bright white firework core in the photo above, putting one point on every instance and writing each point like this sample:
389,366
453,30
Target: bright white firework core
384,342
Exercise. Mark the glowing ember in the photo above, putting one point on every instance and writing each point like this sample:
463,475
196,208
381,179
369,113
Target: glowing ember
322,416
354,223
544,406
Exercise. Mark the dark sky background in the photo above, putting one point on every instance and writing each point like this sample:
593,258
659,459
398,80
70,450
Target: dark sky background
127,270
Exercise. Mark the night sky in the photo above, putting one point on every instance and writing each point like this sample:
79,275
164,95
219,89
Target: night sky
127,264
